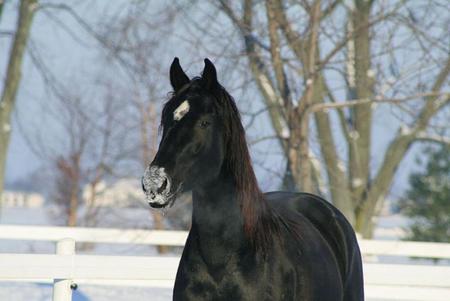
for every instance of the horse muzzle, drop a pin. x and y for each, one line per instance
(156, 185)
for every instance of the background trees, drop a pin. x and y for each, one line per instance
(427, 199)
(339, 91)
(96, 120)
(324, 69)
(13, 76)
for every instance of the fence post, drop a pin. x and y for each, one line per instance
(61, 287)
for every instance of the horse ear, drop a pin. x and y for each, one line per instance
(209, 75)
(177, 76)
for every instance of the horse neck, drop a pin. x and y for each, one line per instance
(217, 220)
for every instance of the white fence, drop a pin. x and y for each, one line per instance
(382, 281)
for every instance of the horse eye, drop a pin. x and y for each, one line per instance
(204, 124)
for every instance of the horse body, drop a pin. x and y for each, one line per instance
(218, 263)
(243, 244)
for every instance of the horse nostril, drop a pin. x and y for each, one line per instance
(163, 186)
(143, 186)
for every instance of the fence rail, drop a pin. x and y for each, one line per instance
(94, 235)
(178, 238)
(382, 281)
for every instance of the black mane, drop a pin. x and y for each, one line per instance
(260, 222)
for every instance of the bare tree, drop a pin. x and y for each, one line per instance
(12, 79)
(328, 72)
(128, 45)
(89, 144)
(135, 41)
(336, 61)
(67, 188)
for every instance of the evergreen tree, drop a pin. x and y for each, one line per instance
(427, 201)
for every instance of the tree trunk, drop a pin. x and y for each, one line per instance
(73, 208)
(74, 193)
(361, 119)
(12, 81)
(334, 166)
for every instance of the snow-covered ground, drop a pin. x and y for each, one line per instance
(43, 292)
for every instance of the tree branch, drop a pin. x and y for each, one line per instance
(433, 138)
(294, 40)
(330, 8)
(351, 35)
(356, 102)
(275, 51)
(272, 99)
(341, 114)
(400, 145)
(100, 39)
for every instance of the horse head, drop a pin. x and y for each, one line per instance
(192, 147)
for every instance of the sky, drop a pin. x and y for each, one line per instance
(63, 55)
(66, 57)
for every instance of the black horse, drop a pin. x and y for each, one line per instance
(243, 244)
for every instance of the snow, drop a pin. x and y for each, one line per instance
(341, 165)
(405, 130)
(6, 127)
(267, 86)
(285, 132)
(43, 292)
(371, 73)
(353, 134)
(356, 182)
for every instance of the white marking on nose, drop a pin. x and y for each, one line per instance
(153, 180)
(182, 110)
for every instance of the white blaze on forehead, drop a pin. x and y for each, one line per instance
(182, 110)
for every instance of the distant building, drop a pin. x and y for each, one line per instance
(123, 193)
(21, 199)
